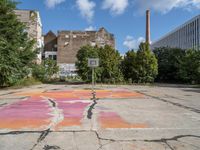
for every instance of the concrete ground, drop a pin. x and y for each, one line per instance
(49, 117)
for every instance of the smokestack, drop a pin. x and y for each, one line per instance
(148, 27)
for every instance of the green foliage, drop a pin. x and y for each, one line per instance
(147, 65)
(29, 81)
(169, 63)
(189, 70)
(177, 65)
(129, 66)
(109, 69)
(83, 54)
(140, 67)
(45, 71)
(16, 50)
(110, 62)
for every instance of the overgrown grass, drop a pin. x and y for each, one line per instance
(26, 82)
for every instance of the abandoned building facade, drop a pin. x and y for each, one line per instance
(64, 46)
(32, 20)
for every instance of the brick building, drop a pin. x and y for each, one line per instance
(65, 46)
(32, 20)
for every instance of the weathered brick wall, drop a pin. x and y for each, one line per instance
(50, 42)
(69, 42)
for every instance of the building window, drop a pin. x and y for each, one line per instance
(53, 57)
(67, 36)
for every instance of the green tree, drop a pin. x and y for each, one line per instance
(109, 69)
(169, 63)
(83, 54)
(129, 67)
(16, 50)
(110, 62)
(190, 67)
(146, 64)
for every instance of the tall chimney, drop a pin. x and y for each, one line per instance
(148, 27)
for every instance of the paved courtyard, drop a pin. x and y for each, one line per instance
(63, 117)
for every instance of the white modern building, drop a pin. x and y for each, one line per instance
(186, 36)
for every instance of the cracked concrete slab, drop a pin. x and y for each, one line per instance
(123, 118)
(18, 141)
(61, 140)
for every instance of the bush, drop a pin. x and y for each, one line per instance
(39, 72)
(29, 81)
(177, 65)
(189, 70)
(169, 63)
(45, 71)
(140, 66)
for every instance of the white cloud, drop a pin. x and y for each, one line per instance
(116, 7)
(53, 3)
(90, 28)
(165, 6)
(86, 8)
(132, 43)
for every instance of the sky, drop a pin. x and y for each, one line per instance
(124, 18)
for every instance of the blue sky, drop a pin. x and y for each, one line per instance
(124, 18)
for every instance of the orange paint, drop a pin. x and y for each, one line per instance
(85, 94)
(113, 120)
(69, 122)
(23, 123)
(35, 112)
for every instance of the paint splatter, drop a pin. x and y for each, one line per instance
(73, 113)
(37, 113)
(113, 120)
(32, 113)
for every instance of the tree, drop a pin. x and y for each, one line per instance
(129, 67)
(190, 67)
(169, 63)
(109, 69)
(83, 54)
(110, 62)
(146, 64)
(140, 66)
(16, 49)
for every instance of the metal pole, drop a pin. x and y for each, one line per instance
(92, 80)
(93, 84)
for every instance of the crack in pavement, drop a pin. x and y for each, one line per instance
(173, 103)
(89, 112)
(47, 147)
(56, 112)
(52, 102)
(163, 140)
(175, 138)
(41, 137)
(45, 133)
(20, 132)
(57, 118)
